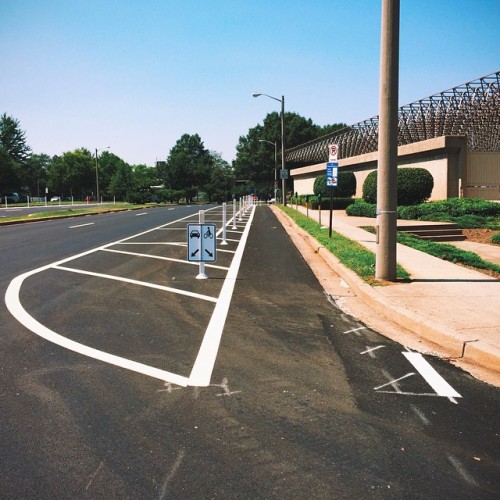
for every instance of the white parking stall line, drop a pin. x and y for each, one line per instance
(159, 257)
(137, 282)
(431, 376)
(172, 243)
(204, 363)
(219, 250)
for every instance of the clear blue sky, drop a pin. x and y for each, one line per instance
(137, 74)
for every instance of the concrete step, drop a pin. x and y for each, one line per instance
(435, 232)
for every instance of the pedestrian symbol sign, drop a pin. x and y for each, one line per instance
(201, 242)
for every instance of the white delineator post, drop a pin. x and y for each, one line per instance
(201, 273)
(224, 207)
(234, 213)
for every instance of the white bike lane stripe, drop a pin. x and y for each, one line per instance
(13, 303)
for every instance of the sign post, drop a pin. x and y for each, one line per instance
(201, 244)
(332, 169)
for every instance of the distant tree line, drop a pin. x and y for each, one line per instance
(188, 170)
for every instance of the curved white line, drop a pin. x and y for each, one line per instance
(17, 310)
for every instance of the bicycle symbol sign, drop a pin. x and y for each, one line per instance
(201, 239)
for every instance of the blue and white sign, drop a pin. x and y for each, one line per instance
(201, 242)
(332, 173)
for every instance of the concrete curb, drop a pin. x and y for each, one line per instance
(456, 345)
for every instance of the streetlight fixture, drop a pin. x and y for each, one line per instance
(283, 170)
(97, 171)
(275, 171)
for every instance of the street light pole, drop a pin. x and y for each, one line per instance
(283, 170)
(385, 264)
(97, 172)
(275, 170)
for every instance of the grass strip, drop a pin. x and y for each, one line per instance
(350, 253)
(54, 214)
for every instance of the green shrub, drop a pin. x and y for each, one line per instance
(361, 208)
(346, 187)
(496, 239)
(338, 203)
(414, 186)
(370, 188)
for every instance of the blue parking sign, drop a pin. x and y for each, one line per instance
(332, 169)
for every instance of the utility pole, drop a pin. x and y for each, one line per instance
(385, 265)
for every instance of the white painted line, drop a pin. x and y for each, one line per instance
(354, 330)
(136, 282)
(172, 243)
(82, 225)
(431, 376)
(16, 309)
(149, 256)
(462, 471)
(420, 415)
(205, 361)
(370, 351)
(224, 250)
(394, 382)
(142, 213)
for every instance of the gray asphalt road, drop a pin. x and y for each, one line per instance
(304, 401)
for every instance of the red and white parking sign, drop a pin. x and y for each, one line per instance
(333, 152)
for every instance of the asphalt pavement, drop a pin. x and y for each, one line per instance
(305, 400)
(448, 309)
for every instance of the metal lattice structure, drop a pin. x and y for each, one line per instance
(471, 110)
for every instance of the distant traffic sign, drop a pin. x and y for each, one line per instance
(283, 173)
(201, 239)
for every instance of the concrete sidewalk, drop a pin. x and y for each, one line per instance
(453, 310)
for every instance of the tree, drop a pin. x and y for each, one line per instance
(8, 171)
(108, 165)
(13, 139)
(14, 152)
(72, 173)
(121, 183)
(255, 159)
(221, 181)
(33, 176)
(188, 166)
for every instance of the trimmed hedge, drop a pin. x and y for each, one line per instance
(346, 187)
(314, 201)
(414, 186)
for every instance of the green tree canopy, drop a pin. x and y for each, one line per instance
(188, 166)
(219, 186)
(108, 166)
(14, 152)
(33, 176)
(72, 174)
(255, 159)
(121, 183)
(13, 139)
